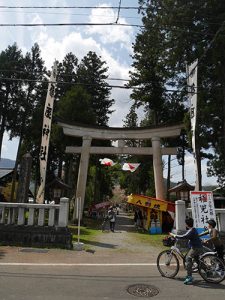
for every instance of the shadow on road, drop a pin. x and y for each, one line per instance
(2, 253)
(203, 284)
(98, 244)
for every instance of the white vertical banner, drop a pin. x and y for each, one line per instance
(46, 130)
(192, 93)
(202, 206)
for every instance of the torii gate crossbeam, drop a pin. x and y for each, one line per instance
(108, 133)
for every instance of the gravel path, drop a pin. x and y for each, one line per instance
(125, 245)
(124, 240)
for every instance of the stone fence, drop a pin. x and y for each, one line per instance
(35, 214)
(43, 225)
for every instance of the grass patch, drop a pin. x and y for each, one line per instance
(88, 232)
(150, 239)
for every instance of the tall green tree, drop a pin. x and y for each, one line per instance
(11, 92)
(33, 73)
(67, 75)
(190, 30)
(92, 73)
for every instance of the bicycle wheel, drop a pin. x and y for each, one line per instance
(168, 264)
(211, 268)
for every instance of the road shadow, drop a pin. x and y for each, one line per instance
(2, 253)
(98, 244)
(203, 284)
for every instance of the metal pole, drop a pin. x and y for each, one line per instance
(79, 214)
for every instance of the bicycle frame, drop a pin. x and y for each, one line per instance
(176, 251)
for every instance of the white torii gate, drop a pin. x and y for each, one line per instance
(155, 133)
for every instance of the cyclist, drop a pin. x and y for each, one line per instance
(195, 245)
(214, 237)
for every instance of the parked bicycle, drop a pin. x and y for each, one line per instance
(210, 267)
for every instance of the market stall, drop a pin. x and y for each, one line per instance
(158, 215)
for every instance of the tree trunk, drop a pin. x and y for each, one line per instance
(2, 130)
(19, 147)
(198, 185)
(168, 177)
(60, 168)
(183, 158)
(15, 172)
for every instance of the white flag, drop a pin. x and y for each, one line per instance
(46, 130)
(107, 162)
(130, 167)
(192, 93)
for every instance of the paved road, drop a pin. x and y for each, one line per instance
(117, 263)
(96, 282)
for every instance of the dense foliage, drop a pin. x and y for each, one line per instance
(175, 33)
(82, 96)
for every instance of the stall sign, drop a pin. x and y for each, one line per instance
(203, 209)
(147, 202)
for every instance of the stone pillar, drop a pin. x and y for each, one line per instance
(24, 179)
(158, 169)
(82, 174)
(222, 221)
(63, 212)
(180, 213)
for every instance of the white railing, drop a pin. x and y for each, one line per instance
(35, 214)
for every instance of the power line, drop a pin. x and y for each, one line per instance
(64, 75)
(66, 14)
(69, 24)
(75, 83)
(61, 82)
(118, 14)
(77, 7)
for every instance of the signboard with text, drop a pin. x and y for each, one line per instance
(149, 202)
(203, 209)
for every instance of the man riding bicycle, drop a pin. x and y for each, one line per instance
(195, 245)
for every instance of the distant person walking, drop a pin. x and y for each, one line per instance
(140, 219)
(112, 218)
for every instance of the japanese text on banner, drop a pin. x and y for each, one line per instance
(202, 205)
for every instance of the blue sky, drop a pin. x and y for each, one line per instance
(112, 43)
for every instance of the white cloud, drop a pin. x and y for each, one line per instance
(110, 34)
(80, 45)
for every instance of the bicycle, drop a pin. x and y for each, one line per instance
(210, 267)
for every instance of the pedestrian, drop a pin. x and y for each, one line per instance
(135, 218)
(195, 245)
(105, 220)
(112, 218)
(214, 238)
(140, 219)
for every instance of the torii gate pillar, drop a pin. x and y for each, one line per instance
(82, 174)
(158, 168)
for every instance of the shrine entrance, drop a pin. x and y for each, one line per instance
(153, 133)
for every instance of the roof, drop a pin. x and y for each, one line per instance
(56, 182)
(5, 172)
(182, 186)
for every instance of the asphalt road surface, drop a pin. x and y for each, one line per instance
(118, 261)
(85, 282)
